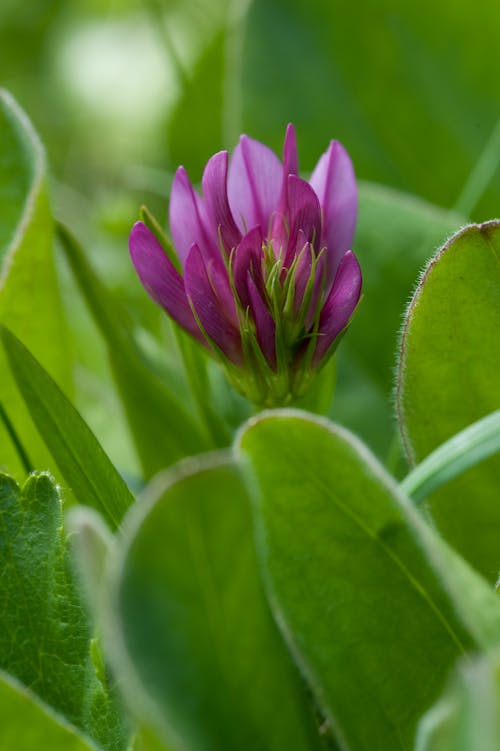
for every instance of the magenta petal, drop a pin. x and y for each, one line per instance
(334, 182)
(280, 228)
(254, 183)
(290, 157)
(247, 258)
(186, 217)
(219, 281)
(304, 216)
(219, 216)
(208, 308)
(340, 304)
(265, 328)
(160, 278)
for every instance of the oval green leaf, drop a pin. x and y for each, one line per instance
(375, 607)
(395, 235)
(449, 378)
(204, 662)
(27, 724)
(29, 294)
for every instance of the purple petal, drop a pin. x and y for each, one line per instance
(334, 182)
(219, 281)
(219, 216)
(290, 158)
(304, 217)
(254, 183)
(160, 278)
(248, 259)
(265, 328)
(186, 217)
(280, 229)
(340, 304)
(208, 308)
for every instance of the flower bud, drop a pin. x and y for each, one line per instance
(264, 277)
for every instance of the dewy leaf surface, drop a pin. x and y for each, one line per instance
(375, 607)
(86, 468)
(26, 724)
(29, 295)
(206, 664)
(449, 378)
(45, 636)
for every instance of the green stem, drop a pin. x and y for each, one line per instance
(156, 12)
(481, 175)
(196, 375)
(466, 449)
(232, 96)
(23, 456)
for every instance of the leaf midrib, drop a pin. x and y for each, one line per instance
(357, 521)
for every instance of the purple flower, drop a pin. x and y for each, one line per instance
(264, 276)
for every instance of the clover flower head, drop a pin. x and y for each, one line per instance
(264, 276)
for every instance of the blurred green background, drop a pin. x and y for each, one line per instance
(123, 92)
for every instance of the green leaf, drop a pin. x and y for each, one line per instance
(201, 658)
(16, 441)
(163, 428)
(29, 295)
(375, 607)
(466, 449)
(448, 379)
(91, 543)
(45, 639)
(85, 467)
(202, 92)
(467, 716)
(91, 546)
(412, 114)
(146, 740)
(395, 236)
(27, 724)
(15, 175)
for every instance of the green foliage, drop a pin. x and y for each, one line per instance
(448, 378)
(29, 296)
(467, 716)
(45, 640)
(373, 604)
(373, 608)
(163, 429)
(202, 92)
(87, 470)
(395, 234)
(27, 724)
(15, 176)
(199, 655)
(415, 112)
(472, 445)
